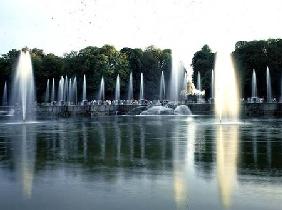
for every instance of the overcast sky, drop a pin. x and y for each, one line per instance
(60, 26)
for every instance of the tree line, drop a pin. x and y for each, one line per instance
(95, 62)
(257, 55)
(108, 62)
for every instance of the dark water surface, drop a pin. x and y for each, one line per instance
(137, 163)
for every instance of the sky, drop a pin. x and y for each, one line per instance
(59, 26)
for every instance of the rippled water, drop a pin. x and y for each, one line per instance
(141, 163)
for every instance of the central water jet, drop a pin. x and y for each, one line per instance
(226, 90)
(176, 72)
(23, 85)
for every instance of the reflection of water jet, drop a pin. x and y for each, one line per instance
(226, 161)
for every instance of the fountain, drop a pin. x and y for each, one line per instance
(61, 89)
(130, 87)
(185, 81)
(47, 94)
(254, 84)
(141, 87)
(23, 86)
(212, 84)
(84, 88)
(182, 110)
(74, 89)
(70, 92)
(165, 110)
(226, 90)
(66, 87)
(158, 110)
(199, 85)
(53, 91)
(102, 90)
(162, 87)
(5, 95)
(268, 86)
(176, 72)
(117, 91)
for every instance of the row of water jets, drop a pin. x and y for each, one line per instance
(67, 89)
(268, 86)
(68, 92)
(224, 86)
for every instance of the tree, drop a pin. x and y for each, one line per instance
(203, 62)
(258, 55)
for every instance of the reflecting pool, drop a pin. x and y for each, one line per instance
(141, 163)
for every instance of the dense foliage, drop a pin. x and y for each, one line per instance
(95, 62)
(258, 55)
(203, 62)
(108, 62)
(247, 56)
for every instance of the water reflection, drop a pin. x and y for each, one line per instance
(226, 160)
(254, 142)
(102, 139)
(118, 140)
(85, 141)
(164, 163)
(142, 141)
(268, 148)
(24, 154)
(131, 140)
(182, 157)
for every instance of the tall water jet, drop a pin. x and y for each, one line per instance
(5, 95)
(141, 87)
(117, 90)
(212, 84)
(162, 87)
(254, 84)
(53, 90)
(176, 73)
(130, 87)
(226, 90)
(102, 90)
(23, 85)
(70, 91)
(47, 92)
(66, 87)
(185, 81)
(74, 88)
(84, 88)
(61, 89)
(199, 85)
(268, 86)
